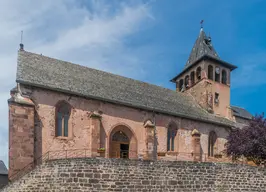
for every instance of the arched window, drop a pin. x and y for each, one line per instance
(211, 143)
(187, 81)
(210, 72)
(217, 74)
(181, 83)
(198, 73)
(171, 137)
(192, 77)
(224, 77)
(63, 111)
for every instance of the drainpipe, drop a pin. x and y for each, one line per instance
(155, 139)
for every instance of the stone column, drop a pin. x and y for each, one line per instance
(196, 145)
(21, 133)
(150, 148)
(95, 133)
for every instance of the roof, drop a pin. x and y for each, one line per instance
(203, 49)
(3, 169)
(202, 46)
(241, 112)
(44, 72)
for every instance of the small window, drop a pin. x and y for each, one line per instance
(224, 77)
(210, 72)
(192, 77)
(217, 74)
(216, 99)
(63, 110)
(187, 81)
(181, 85)
(171, 137)
(198, 73)
(211, 143)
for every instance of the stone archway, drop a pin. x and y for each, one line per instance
(122, 143)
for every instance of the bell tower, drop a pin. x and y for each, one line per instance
(206, 77)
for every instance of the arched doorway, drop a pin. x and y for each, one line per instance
(122, 143)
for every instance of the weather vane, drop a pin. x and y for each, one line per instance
(201, 23)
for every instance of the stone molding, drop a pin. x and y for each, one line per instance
(16, 97)
(195, 132)
(149, 124)
(95, 114)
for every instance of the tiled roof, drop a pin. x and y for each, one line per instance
(241, 112)
(3, 169)
(44, 72)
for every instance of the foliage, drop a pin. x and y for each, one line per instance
(249, 142)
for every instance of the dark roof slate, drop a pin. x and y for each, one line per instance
(202, 46)
(41, 71)
(3, 169)
(241, 112)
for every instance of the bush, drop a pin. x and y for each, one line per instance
(249, 142)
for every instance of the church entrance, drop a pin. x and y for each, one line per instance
(124, 150)
(122, 143)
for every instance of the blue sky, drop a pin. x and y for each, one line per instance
(148, 40)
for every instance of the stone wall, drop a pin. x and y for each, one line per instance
(21, 136)
(132, 175)
(204, 89)
(80, 126)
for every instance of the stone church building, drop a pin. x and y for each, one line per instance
(61, 106)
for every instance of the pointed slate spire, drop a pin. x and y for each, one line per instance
(202, 46)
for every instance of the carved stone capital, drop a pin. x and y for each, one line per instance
(195, 132)
(149, 124)
(18, 98)
(95, 114)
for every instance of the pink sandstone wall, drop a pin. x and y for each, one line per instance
(206, 86)
(21, 136)
(112, 116)
(224, 90)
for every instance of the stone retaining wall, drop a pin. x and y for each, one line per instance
(133, 175)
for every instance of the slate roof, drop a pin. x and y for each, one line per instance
(241, 112)
(3, 169)
(44, 72)
(203, 49)
(202, 46)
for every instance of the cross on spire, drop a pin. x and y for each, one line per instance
(201, 23)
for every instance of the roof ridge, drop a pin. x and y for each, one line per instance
(237, 107)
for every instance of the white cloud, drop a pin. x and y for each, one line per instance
(91, 35)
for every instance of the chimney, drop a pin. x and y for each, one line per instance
(21, 47)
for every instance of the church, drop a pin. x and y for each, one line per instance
(59, 106)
